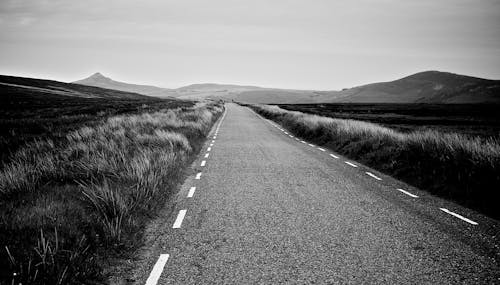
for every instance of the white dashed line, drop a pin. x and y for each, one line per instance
(458, 216)
(209, 148)
(407, 193)
(333, 155)
(213, 141)
(322, 149)
(206, 155)
(191, 192)
(155, 274)
(302, 141)
(351, 164)
(373, 175)
(198, 176)
(311, 145)
(291, 136)
(180, 218)
(203, 163)
(286, 133)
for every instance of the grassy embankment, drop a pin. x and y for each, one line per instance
(462, 168)
(67, 206)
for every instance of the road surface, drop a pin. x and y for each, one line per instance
(262, 207)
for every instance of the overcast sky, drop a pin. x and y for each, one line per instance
(306, 44)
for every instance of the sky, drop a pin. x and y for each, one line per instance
(297, 44)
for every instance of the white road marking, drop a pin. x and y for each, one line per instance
(209, 148)
(322, 149)
(297, 139)
(373, 175)
(311, 145)
(458, 216)
(157, 270)
(211, 144)
(203, 163)
(407, 193)
(180, 218)
(206, 155)
(291, 136)
(286, 133)
(215, 137)
(198, 176)
(191, 192)
(213, 141)
(333, 155)
(351, 164)
(302, 141)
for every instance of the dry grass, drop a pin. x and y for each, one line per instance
(463, 168)
(100, 184)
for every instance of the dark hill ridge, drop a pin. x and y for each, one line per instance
(425, 87)
(99, 80)
(21, 90)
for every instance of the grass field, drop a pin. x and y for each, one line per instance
(455, 166)
(26, 115)
(81, 177)
(469, 119)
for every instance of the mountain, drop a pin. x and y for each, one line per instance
(99, 80)
(17, 88)
(423, 87)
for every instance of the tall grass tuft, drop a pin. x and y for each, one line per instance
(103, 182)
(466, 169)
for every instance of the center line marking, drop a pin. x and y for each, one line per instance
(213, 141)
(458, 216)
(302, 141)
(206, 155)
(191, 192)
(209, 148)
(333, 155)
(351, 164)
(180, 218)
(157, 270)
(203, 163)
(321, 149)
(373, 175)
(286, 133)
(198, 176)
(407, 193)
(311, 145)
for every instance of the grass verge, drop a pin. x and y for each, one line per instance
(66, 207)
(458, 167)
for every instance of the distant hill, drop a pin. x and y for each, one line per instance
(423, 87)
(16, 88)
(99, 80)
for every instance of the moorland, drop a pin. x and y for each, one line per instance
(83, 171)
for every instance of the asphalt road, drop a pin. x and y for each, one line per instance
(269, 209)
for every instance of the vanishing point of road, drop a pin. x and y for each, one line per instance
(265, 207)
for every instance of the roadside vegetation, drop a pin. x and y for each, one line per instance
(455, 166)
(479, 120)
(68, 205)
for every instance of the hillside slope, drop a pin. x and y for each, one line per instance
(20, 87)
(99, 80)
(424, 87)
